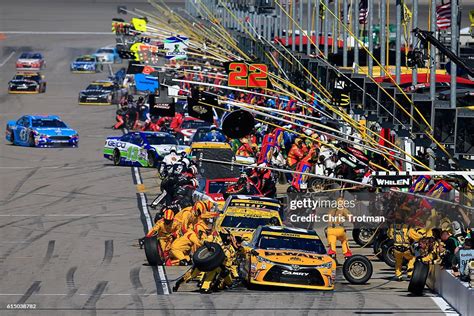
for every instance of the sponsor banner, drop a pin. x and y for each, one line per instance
(381, 180)
(175, 47)
(465, 256)
(145, 82)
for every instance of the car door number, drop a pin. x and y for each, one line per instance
(23, 134)
(132, 153)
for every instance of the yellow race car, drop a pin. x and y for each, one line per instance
(242, 221)
(287, 257)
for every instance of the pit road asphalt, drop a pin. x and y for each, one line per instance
(69, 220)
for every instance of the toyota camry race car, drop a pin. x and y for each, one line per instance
(108, 55)
(41, 131)
(142, 149)
(86, 64)
(101, 92)
(27, 82)
(287, 257)
(242, 221)
(30, 61)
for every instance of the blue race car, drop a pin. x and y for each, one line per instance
(108, 55)
(86, 64)
(142, 149)
(41, 131)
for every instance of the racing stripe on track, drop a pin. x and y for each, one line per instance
(162, 286)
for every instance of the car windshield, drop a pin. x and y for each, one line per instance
(25, 77)
(194, 124)
(30, 56)
(200, 133)
(99, 87)
(284, 242)
(161, 139)
(246, 222)
(48, 123)
(219, 186)
(105, 51)
(85, 59)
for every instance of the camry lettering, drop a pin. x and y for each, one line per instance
(286, 272)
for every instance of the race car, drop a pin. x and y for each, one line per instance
(27, 82)
(108, 54)
(101, 92)
(41, 131)
(86, 64)
(215, 188)
(30, 61)
(287, 257)
(187, 128)
(256, 202)
(141, 149)
(242, 221)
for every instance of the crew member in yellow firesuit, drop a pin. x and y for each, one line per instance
(165, 229)
(400, 233)
(336, 230)
(182, 247)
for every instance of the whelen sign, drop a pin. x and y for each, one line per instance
(392, 179)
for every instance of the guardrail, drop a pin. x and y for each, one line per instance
(455, 292)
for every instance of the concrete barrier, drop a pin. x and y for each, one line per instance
(456, 293)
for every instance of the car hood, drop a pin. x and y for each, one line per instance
(294, 257)
(30, 61)
(51, 131)
(165, 149)
(95, 92)
(27, 82)
(82, 63)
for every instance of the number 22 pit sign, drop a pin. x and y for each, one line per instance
(175, 47)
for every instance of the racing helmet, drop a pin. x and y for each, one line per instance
(200, 208)
(193, 170)
(194, 183)
(168, 215)
(213, 127)
(456, 228)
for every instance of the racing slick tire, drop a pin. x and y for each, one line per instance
(12, 138)
(363, 236)
(31, 140)
(208, 257)
(387, 252)
(116, 157)
(357, 269)
(43, 90)
(153, 251)
(418, 279)
(151, 158)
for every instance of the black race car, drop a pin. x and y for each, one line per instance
(27, 82)
(102, 92)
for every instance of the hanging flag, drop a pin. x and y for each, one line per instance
(443, 16)
(363, 11)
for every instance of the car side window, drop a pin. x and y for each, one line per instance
(20, 122)
(126, 138)
(137, 140)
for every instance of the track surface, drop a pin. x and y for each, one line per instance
(69, 220)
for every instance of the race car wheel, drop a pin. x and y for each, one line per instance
(357, 269)
(418, 279)
(153, 251)
(363, 236)
(151, 158)
(44, 88)
(12, 138)
(208, 257)
(387, 252)
(117, 157)
(31, 140)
